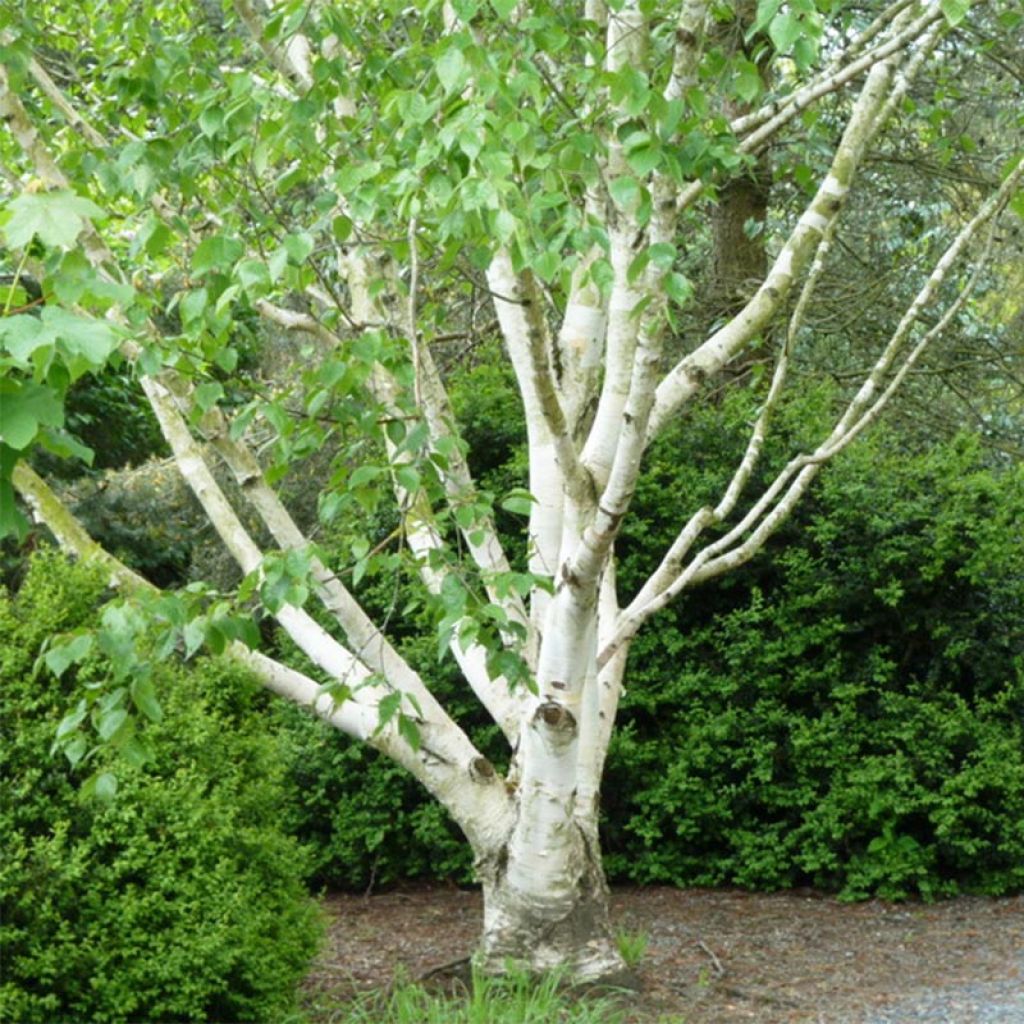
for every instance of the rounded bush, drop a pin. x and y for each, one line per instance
(180, 900)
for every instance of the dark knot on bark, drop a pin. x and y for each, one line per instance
(556, 717)
(481, 770)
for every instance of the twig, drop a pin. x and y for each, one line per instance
(414, 341)
(446, 968)
(719, 969)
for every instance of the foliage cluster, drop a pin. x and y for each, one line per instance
(180, 900)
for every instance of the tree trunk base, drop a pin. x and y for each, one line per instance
(567, 931)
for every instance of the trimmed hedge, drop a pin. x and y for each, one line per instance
(846, 712)
(849, 712)
(179, 901)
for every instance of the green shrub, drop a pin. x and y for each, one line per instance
(365, 820)
(179, 901)
(846, 711)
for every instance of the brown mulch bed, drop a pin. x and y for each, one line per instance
(712, 957)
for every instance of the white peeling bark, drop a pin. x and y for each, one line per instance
(581, 346)
(545, 896)
(623, 325)
(552, 456)
(599, 705)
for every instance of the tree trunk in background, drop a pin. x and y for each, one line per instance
(739, 260)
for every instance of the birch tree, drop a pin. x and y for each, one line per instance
(386, 181)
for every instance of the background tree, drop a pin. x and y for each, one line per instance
(387, 180)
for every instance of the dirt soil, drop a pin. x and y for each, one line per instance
(712, 957)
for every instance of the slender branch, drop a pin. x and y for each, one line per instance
(776, 117)
(444, 760)
(779, 499)
(528, 340)
(674, 557)
(292, 59)
(882, 89)
(627, 45)
(758, 126)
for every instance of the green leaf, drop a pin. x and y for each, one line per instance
(253, 275)
(341, 228)
(407, 477)
(662, 255)
(678, 288)
(110, 722)
(387, 709)
(102, 787)
(74, 749)
(23, 408)
(211, 120)
(504, 8)
(409, 731)
(643, 160)
(299, 247)
(504, 225)
(23, 335)
(63, 445)
(208, 394)
(217, 253)
(277, 263)
(193, 304)
(766, 10)
(56, 218)
(194, 635)
(145, 699)
(547, 264)
(134, 751)
(85, 342)
(12, 522)
(452, 70)
(784, 31)
(363, 475)
(72, 720)
(518, 501)
(955, 11)
(625, 191)
(747, 81)
(805, 52)
(60, 656)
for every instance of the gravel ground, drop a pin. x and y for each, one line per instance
(724, 957)
(988, 1003)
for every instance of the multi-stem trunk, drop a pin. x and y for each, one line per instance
(545, 895)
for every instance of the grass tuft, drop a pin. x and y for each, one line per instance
(511, 999)
(632, 947)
